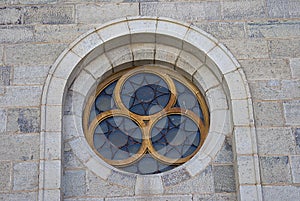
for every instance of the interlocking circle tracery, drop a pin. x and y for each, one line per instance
(146, 120)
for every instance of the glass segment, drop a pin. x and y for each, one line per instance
(146, 121)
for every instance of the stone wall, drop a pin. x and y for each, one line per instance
(264, 35)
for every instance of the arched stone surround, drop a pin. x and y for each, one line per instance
(139, 41)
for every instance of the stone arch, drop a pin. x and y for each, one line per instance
(145, 40)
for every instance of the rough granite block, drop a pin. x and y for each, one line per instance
(122, 179)
(16, 34)
(248, 48)
(275, 169)
(225, 155)
(74, 183)
(10, 15)
(284, 48)
(5, 75)
(275, 89)
(20, 96)
(101, 188)
(19, 147)
(35, 75)
(70, 160)
(187, 11)
(100, 13)
(176, 177)
(283, 8)
(224, 178)
(3, 120)
(265, 69)
(273, 29)
(295, 68)
(275, 141)
(33, 54)
(23, 120)
(61, 33)
(281, 193)
(268, 113)
(291, 112)
(60, 14)
(296, 133)
(234, 10)
(215, 197)
(223, 30)
(202, 183)
(5, 174)
(25, 176)
(295, 166)
(19, 196)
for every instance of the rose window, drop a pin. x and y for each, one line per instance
(146, 120)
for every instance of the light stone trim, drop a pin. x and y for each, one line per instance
(116, 43)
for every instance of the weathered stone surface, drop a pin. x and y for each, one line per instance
(275, 89)
(70, 160)
(296, 133)
(295, 67)
(32, 54)
(63, 14)
(284, 48)
(225, 155)
(16, 34)
(154, 198)
(23, 120)
(202, 183)
(30, 75)
(21, 96)
(3, 120)
(122, 179)
(233, 10)
(25, 176)
(19, 196)
(280, 193)
(275, 141)
(223, 30)
(74, 183)
(248, 48)
(5, 174)
(173, 178)
(268, 113)
(273, 29)
(99, 13)
(10, 15)
(264, 69)
(215, 197)
(291, 112)
(275, 169)
(19, 147)
(1, 55)
(187, 11)
(295, 166)
(283, 8)
(224, 178)
(60, 32)
(5, 75)
(101, 188)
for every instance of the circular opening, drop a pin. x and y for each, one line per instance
(146, 120)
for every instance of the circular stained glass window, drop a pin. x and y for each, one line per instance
(146, 120)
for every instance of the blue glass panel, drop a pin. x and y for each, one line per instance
(186, 99)
(145, 94)
(117, 138)
(175, 136)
